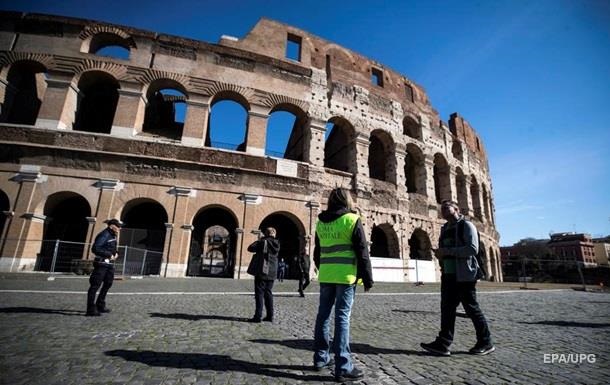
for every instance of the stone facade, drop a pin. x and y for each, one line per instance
(86, 137)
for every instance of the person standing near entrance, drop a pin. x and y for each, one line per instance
(105, 250)
(458, 247)
(342, 258)
(266, 249)
(303, 266)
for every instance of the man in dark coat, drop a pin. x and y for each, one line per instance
(105, 250)
(266, 249)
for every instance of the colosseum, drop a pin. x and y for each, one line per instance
(91, 130)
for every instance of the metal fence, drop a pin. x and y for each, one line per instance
(65, 256)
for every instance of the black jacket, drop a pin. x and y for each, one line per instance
(273, 249)
(105, 245)
(364, 269)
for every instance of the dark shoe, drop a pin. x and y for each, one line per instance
(482, 349)
(328, 365)
(103, 310)
(255, 320)
(268, 319)
(93, 313)
(355, 374)
(302, 294)
(436, 348)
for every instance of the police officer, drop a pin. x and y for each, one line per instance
(342, 258)
(105, 250)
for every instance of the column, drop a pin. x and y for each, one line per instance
(362, 179)
(196, 121)
(400, 152)
(104, 211)
(430, 188)
(314, 147)
(58, 109)
(90, 228)
(453, 184)
(469, 211)
(129, 115)
(247, 224)
(18, 253)
(257, 130)
(177, 239)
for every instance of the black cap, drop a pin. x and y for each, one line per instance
(115, 222)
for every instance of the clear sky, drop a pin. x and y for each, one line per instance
(532, 77)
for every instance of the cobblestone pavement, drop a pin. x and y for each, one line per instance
(193, 331)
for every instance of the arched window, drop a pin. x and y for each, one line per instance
(442, 181)
(339, 146)
(381, 156)
(110, 45)
(98, 98)
(165, 110)
(286, 134)
(227, 125)
(384, 242)
(420, 246)
(415, 170)
(411, 128)
(24, 92)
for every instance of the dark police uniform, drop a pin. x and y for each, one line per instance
(104, 247)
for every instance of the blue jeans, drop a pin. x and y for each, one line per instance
(342, 297)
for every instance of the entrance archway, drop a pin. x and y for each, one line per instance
(213, 243)
(384, 242)
(143, 236)
(420, 246)
(65, 231)
(291, 234)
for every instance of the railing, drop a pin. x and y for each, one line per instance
(65, 256)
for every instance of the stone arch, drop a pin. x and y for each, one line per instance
(24, 92)
(461, 190)
(384, 242)
(165, 109)
(98, 97)
(291, 234)
(213, 242)
(108, 44)
(95, 37)
(228, 107)
(66, 215)
(412, 128)
(476, 197)
(420, 246)
(144, 229)
(442, 179)
(295, 129)
(381, 160)
(457, 151)
(415, 169)
(340, 147)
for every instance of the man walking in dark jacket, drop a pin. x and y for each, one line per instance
(266, 249)
(342, 258)
(105, 250)
(458, 247)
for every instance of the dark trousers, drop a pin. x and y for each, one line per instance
(303, 282)
(452, 294)
(101, 276)
(263, 292)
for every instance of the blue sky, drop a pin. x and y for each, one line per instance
(532, 77)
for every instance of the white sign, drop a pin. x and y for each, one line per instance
(286, 168)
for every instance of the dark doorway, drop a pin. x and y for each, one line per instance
(213, 244)
(420, 246)
(65, 231)
(98, 92)
(24, 92)
(291, 235)
(143, 236)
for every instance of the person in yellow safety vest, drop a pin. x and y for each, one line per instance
(342, 258)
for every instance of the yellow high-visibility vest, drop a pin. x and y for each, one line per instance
(337, 256)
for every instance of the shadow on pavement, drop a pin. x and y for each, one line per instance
(198, 317)
(355, 347)
(39, 310)
(570, 323)
(220, 363)
(415, 311)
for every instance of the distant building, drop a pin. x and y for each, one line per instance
(601, 249)
(572, 246)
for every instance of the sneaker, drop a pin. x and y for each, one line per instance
(94, 313)
(355, 374)
(103, 310)
(327, 365)
(436, 348)
(482, 349)
(255, 320)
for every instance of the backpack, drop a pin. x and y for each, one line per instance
(481, 273)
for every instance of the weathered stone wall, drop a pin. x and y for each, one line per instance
(185, 175)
